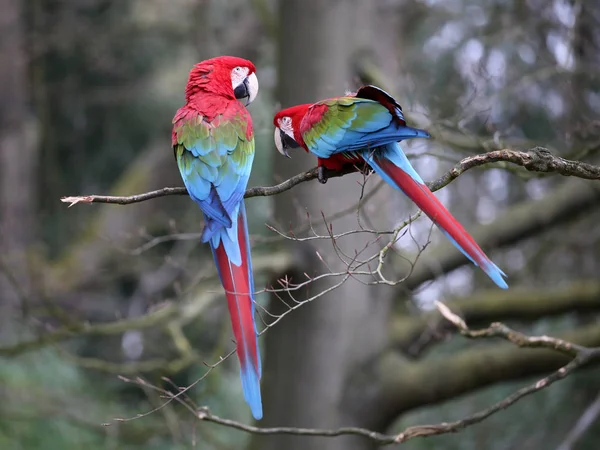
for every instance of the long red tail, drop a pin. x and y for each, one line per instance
(393, 166)
(239, 289)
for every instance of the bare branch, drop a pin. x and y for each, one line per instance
(414, 431)
(537, 159)
(498, 329)
(205, 415)
(413, 334)
(580, 356)
(452, 427)
(259, 191)
(124, 200)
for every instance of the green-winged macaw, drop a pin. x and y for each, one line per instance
(367, 127)
(214, 148)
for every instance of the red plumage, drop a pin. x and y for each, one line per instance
(213, 76)
(238, 290)
(422, 196)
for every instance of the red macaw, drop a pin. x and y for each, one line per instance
(366, 127)
(214, 148)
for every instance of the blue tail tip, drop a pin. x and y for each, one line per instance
(251, 388)
(501, 284)
(257, 412)
(497, 276)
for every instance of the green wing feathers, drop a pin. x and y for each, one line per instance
(215, 159)
(342, 123)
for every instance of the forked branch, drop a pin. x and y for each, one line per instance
(580, 356)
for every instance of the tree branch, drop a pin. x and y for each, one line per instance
(581, 355)
(537, 159)
(413, 334)
(259, 191)
(435, 380)
(453, 427)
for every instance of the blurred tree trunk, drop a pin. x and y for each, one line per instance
(313, 358)
(585, 53)
(79, 265)
(18, 157)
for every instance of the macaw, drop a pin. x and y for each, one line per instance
(214, 147)
(367, 127)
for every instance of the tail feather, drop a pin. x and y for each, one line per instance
(391, 164)
(239, 288)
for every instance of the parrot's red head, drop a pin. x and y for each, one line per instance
(227, 76)
(287, 128)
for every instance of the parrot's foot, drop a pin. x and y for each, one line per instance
(322, 174)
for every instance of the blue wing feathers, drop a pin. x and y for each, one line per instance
(214, 180)
(345, 134)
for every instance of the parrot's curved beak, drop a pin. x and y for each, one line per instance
(283, 142)
(247, 89)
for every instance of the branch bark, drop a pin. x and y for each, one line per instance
(551, 355)
(414, 334)
(536, 159)
(409, 385)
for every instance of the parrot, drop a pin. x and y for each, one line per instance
(366, 127)
(213, 142)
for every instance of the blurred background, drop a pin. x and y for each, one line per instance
(88, 89)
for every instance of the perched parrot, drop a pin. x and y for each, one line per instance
(214, 148)
(366, 127)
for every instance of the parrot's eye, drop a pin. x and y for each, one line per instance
(238, 69)
(286, 120)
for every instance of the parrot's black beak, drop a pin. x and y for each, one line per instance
(246, 91)
(283, 142)
(241, 91)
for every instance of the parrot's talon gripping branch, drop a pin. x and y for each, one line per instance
(322, 175)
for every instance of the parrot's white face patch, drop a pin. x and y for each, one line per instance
(285, 125)
(238, 75)
(244, 84)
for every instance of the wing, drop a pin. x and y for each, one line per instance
(215, 160)
(346, 124)
(380, 96)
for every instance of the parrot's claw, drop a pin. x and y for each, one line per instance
(322, 174)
